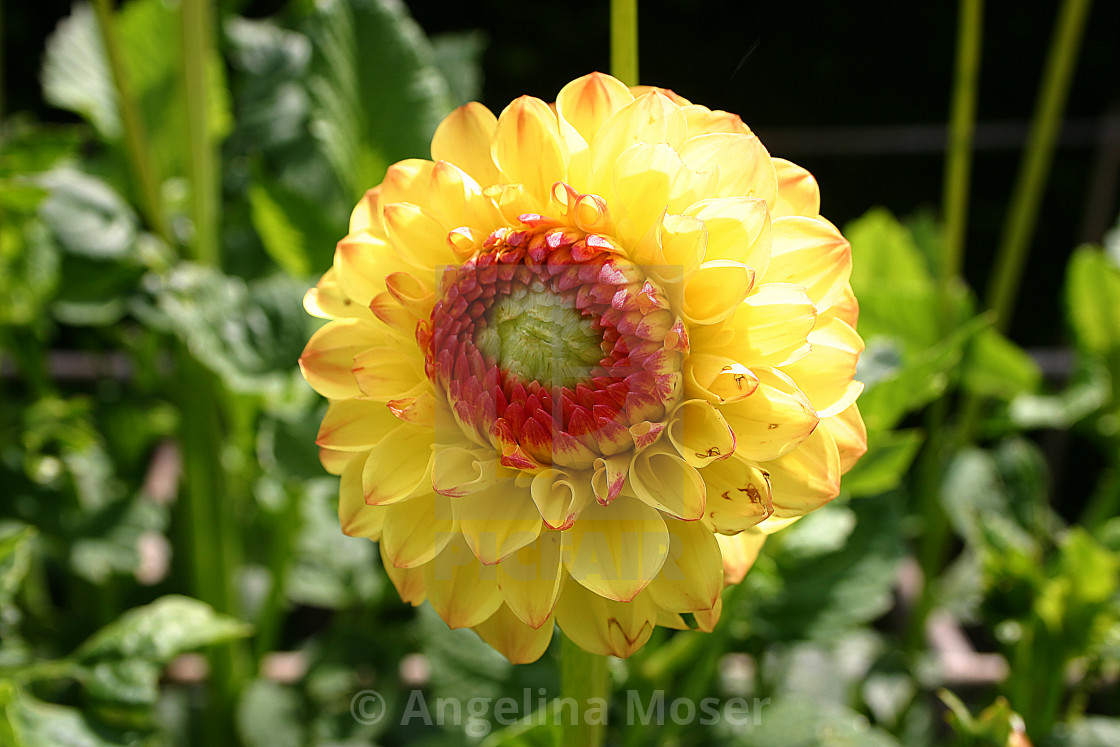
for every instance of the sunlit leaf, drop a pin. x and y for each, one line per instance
(1093, 301)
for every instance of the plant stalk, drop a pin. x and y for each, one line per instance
(196, 25)
(624, 41)
(583, 678)
(145, 171)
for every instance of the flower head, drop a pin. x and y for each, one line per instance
(582, 362)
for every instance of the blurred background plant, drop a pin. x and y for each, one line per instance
(176, 174)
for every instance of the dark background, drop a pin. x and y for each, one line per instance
(828, 85)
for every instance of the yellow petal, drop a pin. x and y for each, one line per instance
(514, 639)
(328, 358)
(587, 102)
(355, 424)
(807, 477)
(798, 193)
(774, 523)
(409, 582)
(717, 379)
(418, 236)
(743, 164)
(417, 530)
(357, 518)
(674, 251)
(825, 374)
(716, 290)
(461, 590)
(609, 476)
(361, 262)
(704, 121)
(463, 138)
(559, 496)
(850, 434)
(497, 520)
(812, 253)
(739, 553)
(457, 471)
(335, 462)
(530, 579)
(846, 308)
(602, 626)
(738, 229)
(399, 465)
(366, 215)
(699, 433)
(386, 372)
(406, 181)
(528, 147)
(650, 118)
(327, 300)
(706, 619)
(456, 200)
(692, 577)
(739, 495)
(616, 550)
(665, 481)
(773, 420)
(770, 326)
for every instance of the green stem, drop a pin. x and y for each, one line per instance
(197, 39)
(583, 677)
(624, 41)
(955, 190)
(1045, 125)
(137, 151)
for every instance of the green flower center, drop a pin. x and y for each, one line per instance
(538, 335)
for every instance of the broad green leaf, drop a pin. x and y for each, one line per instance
(88, 216)
(459, 58)
(997, 367)
(795, 721)
(1093, 301)
(892, 281)
(1090, 390)
(292, 227)
(377, 93)
(269, 715)
(132, 682)
(250, 334)
(1091, 731)
(26, 721)
(157, 632)
(898, 383)
(76, 76)
(832, 571)
(15, 556)
(975, 500)
(889, 454)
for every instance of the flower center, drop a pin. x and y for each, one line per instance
(537, 335)
(552, 347)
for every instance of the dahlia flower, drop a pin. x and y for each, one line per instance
(582, 362)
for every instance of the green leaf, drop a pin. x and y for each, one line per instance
(899, 383)
(26, 721)
(832, 571)
(89, 218)
(377, 93)
(1091, 731)
(976, 502)
(459, 59)
(1093, 301)
(15, 557)
(292, 227)
(997, 367)
(269, 715)
(890, 277)
(132, 682)
(889, 454)
(796, 721)
(76, 76)
(157, 632)
(250, 334)
(1090, 390)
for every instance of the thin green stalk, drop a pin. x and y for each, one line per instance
(1045, 126)
(955, 191)
(624, 41)
(583, 677)
(1022, 215)
(140, 161)
(197, 39)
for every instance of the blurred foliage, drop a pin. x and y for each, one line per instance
(101, 314)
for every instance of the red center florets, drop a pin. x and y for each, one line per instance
(624, 395)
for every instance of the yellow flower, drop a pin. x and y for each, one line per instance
(582, 362)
